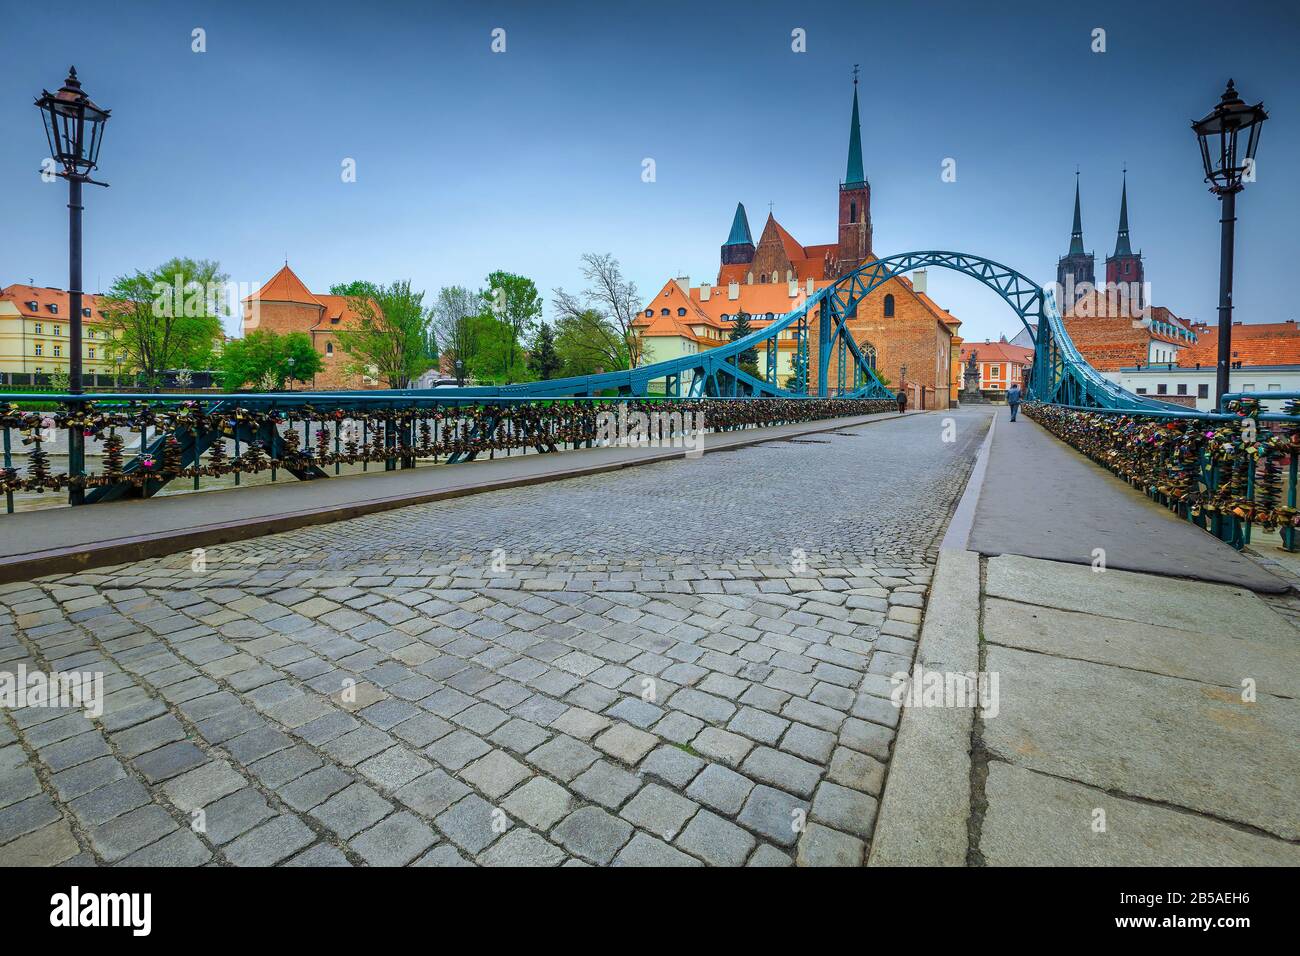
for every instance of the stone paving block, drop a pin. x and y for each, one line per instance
(845, 809)
(659, 810)
(678, 727)
(716, 841)
(822, 846)
(111, 800)
(235, 814)
(354, 747)
(18, 784)
(519, 736)
(563, 757)
(643, 850)
(147, 736)
(394, 768)
(472, 823)
(720, 788)
(522, 848)
(432, 793)
(671, 765)
(857, 771)
(48, 846)
(580, 724)
(322, 854)
(169, 761)
(626, 743)
(352, 810)
(541, 803)
(808, 742)
(122, 836)
(457, 749)
(769, 856)
(637, 712)
(758, 725)
(26, 816)
(178, 848)
(592, 834)
(782, 770)
(203, 785)
(607, 784)
(270, 843)
(394, 841)
(443, 854)
(74, 750)
(710, 709)
(280, 768)
(722, 745)
(314, 788)
(774, 814)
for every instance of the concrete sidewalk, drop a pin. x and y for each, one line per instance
(48, 541)
(1129, 718)
(1045, 500)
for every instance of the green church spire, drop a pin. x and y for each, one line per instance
(739, 228)
(1122, 247)
(1076, 234)
(854, 176)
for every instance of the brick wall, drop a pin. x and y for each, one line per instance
(913, 337)
(284, 317)
(1109, 343)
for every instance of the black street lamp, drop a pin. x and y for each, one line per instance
(1226, 168)
(74, 127)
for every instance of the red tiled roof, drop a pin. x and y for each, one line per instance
(22, 295)
(997, 352)
(1253, 343)
(285, 286)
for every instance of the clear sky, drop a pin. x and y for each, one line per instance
(469, 160)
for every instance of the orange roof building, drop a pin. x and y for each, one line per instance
(898, 322)
(35, 338)
(285, 304)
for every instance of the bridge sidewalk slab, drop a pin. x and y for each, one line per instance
(1043, 499)
(49, 541)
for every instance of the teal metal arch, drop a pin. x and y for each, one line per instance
(1060, 375)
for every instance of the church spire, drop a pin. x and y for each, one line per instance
(740, 228)
(853, 176)
(1076, 234)
(1122, 247)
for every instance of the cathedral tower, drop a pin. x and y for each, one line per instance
(739, 247)
(1076, 270)
(1124, 268)
(854, 243)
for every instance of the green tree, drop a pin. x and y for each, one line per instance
(588, 343)
(454, 310)
(355, 288)
(263, 359)
(740, 327)
(165, 318)
(513, 300)
(494, 359)
(545, 361)
(389, 335)
(615, 305)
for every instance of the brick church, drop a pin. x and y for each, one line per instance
(284, 304)
(898, 321)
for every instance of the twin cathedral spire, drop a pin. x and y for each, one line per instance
(1076, 270)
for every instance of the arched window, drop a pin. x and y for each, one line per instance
(889, 306)
(762, 278)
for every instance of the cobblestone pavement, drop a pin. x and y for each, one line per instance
(682, 663)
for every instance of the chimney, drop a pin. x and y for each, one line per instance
(794, 287)
(919, 279)
(810, 285)
(705, 291)
(685, 283)
(733, 290)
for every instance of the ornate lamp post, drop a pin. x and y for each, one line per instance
(1227, 166)
(74, 127)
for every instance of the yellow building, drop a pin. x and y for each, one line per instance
(35, 336)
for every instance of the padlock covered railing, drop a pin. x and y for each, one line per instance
(1227, 472)
(140, 445)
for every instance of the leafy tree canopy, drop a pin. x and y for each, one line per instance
(265, 359)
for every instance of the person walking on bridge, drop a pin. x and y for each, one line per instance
(1013, 399)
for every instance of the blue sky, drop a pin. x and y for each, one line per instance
(469, 161)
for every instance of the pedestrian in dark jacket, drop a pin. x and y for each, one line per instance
(1013, 399)
(902, 401)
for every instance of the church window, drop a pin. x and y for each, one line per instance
(329, 348)
(762, 278)
(889, 306)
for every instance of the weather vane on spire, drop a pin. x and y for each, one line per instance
(855, 74)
